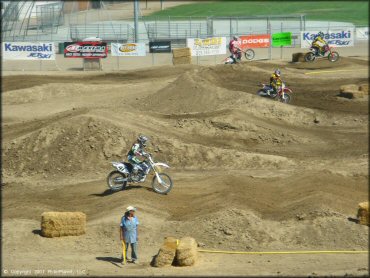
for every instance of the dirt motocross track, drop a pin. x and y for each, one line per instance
(250, 174)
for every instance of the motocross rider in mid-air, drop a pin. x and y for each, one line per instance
(275, 81)
(137, 151)
(318, 44)
(235, 48)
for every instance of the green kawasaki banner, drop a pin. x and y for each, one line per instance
(282, 39)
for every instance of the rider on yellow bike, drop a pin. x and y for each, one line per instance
(318, 44)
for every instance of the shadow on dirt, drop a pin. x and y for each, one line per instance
(37, 232)
(113, 260)
(353, 220)
(108, 192)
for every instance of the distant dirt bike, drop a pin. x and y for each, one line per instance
(283, 95)
(125, 172)
(234, 59)
(329, 53)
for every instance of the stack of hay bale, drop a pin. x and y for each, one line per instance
(353, 91)
(363, 213)
(92, 64)
(181, 56)
(298, 57)
(167, 253)
(181, 252)
(57, 224)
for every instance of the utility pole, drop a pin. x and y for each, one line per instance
(161, 5)
(136, 18)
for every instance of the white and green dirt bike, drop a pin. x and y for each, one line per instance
(128, 173)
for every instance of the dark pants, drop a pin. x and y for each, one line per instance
(133, 250)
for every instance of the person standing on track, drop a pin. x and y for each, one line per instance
(129, 232)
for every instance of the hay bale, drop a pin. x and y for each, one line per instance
(350, 91)
(181, 52)
(348, 88)
(364, 88)
(166, 254)
(363, 213)
(298, 57)
(182, 60)
(92, 64)
(57, 224)
(186, 253)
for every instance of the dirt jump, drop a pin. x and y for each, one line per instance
(250, 174)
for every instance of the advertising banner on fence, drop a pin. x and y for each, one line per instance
(362, 33)
(255, 41)
(160, 47)
(128, 49)
(28, 51)
(89, 50)
(209, 46)
(336, 38)
(282, 39)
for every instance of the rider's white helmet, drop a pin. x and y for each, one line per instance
(142, 140)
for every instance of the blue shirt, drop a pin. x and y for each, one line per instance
(129, 229)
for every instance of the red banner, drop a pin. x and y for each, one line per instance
(255, 41)
(91, 50)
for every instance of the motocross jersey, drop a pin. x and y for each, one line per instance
(318, 40)
(135, 151)
(275, 81)
(234, 46)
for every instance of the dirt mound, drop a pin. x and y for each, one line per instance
(238, 229)
(190, 93)
(326, 64)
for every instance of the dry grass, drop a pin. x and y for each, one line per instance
(57, 224)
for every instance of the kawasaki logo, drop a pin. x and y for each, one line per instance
(35, 48)
(327, 36)
(85, 48)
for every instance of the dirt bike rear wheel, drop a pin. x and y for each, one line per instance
(309, 57)
(162, 188)
(114, 181)
(249, 54)
(333, 56)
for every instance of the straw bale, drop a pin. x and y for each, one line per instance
(364, 88)
(57, 224)
(182, 60)
(363, 213)
(298, 57)
(166, 253)
(181, 52)
(351, 91)
(186, 253)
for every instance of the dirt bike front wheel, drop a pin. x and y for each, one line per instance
(116, 181)
(165, 186)
(286, 99)
(309, 57)
(333, 56)
(249, 54)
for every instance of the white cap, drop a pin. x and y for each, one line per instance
(130, 208)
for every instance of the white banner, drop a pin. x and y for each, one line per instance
(362, 33)
(28, 51)
(128, 49)
(336, 38)
(209, 46)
